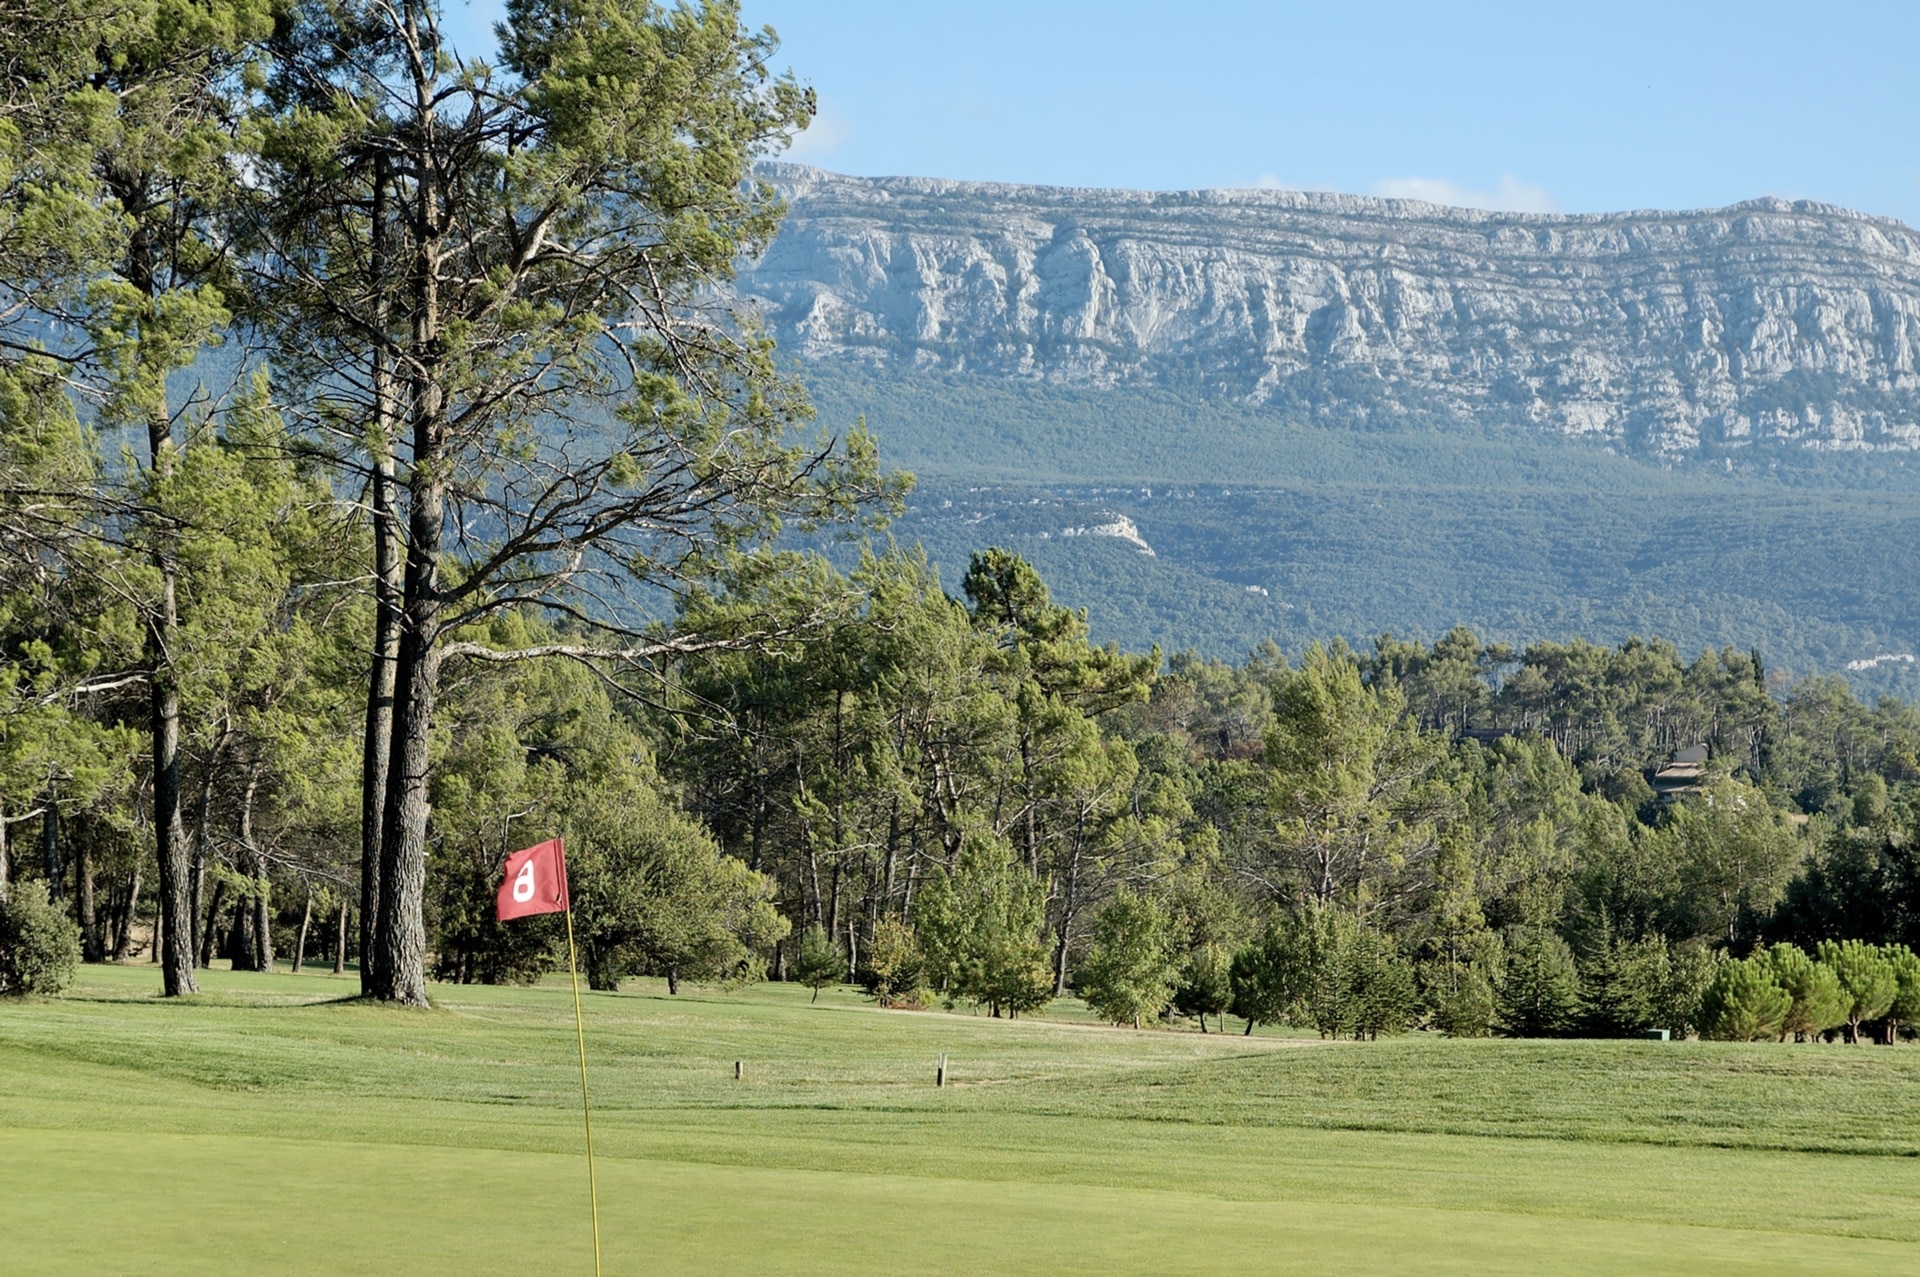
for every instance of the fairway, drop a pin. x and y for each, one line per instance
(269, 1125)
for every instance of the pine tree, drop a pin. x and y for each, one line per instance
(819, 962)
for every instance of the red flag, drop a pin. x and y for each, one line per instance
(536, 882)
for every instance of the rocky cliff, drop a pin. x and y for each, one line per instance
(1767, 323)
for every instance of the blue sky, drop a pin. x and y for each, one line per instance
(1539, 106)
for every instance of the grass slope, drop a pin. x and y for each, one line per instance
(270, 1126)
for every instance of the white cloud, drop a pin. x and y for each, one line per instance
(1509, 195)
(1274, 182)
(826, 135)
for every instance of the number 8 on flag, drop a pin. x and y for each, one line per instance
(535, 882)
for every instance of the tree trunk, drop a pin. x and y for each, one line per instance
(832, 920)
(1029, 819)
(175, 918)
(50, 851)
(207, 932)
(306, 918)
(260, 958)
(123, 930)
(377, 741)
(93, 946)
(398, 957)
(1069, 907)
(198, 868)
(813, 876)
(6, 866)
(893, 854)
(240, 945)
(340, 943)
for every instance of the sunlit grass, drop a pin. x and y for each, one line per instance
(274, 1123)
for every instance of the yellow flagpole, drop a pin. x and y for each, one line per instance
(586, 1110)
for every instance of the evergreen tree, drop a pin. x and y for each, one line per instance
(1204, 984)
(1691, 968)
(1905, 1008)
(1621, 987)
(819, 962)
(1381, 983)
(1819, 1003)
(1354, 815)
(516, 206)
(1539, 994)
(1868, 982)
(1743, 1004)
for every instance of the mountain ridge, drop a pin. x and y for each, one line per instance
(1769, 324)
(790, 175)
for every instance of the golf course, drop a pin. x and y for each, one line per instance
(275, 1124)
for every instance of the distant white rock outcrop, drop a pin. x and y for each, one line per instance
(1885, 658)
(1121, 528)
(1768, 321)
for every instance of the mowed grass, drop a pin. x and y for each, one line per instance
(274, 1125)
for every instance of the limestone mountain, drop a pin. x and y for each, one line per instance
(1217, 417)
(1768, 324)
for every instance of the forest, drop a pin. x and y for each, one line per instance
(481, 529)
(964, 799)
(1394, 524)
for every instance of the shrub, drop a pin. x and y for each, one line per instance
(1743, 1004)
(895, 972)
(653, 894)
(39, 944)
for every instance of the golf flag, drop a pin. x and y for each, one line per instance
(536, 882)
